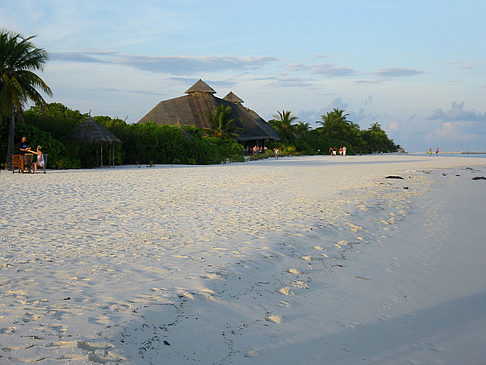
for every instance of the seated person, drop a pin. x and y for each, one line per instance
(40, 158)
(24, 146)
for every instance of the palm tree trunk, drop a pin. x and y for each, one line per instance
(11, 137)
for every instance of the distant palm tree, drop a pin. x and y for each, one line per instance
(301, 128)
(337, 117)
(19, 58)
(375, 127)
(221, 123)
(282, 123)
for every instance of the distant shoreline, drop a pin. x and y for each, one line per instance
(450, 153)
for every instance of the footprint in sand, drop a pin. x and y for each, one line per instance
(300, 284)
(286, 291)
(306, 258)
(294, 271)
(274, 318)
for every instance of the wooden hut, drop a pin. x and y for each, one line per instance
(199, 100)
(93, 133)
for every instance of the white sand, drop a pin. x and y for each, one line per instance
(311, 260)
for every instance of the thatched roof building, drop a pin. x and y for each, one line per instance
(191, 109)
(92, 132)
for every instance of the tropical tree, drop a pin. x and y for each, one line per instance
(335, 119)
(339, 130)
(282, 123)
(301, 129)
(221, 123)
(19, 59)
(377, 140)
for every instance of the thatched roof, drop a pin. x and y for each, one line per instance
(200, 87)
(92, 132)
(233, 98)
(192, 109)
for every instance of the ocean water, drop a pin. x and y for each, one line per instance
(476, 155)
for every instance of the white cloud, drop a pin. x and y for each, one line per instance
(176, 65)
(394, 126)
(396, 72)
(457, 113)
(453, 132)
(324, 69)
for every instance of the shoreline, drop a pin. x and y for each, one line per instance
(235, 263)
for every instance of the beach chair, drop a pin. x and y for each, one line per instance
(28, 158)
(17, 163)
(45, 163)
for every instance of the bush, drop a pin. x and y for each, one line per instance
(224, 150)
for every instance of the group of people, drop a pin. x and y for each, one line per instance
(260, 149)
(255, 149)
(436, 151)
(24, 148)
(342, 151)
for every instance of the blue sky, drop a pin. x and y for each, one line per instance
(416, 67)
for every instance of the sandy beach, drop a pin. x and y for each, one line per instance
(305, 260)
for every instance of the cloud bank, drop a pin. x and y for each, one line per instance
(177, 65)
(457, 113)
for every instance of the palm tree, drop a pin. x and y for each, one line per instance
(335, 118)
(283, 125)
(19, 58)
(301, 128)
(221, 124)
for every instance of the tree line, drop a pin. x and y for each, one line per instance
(334, 131)
(52, 125)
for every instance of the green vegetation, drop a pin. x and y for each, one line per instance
(51, 126)
(221, 123)
(19, 58)
(335, 131)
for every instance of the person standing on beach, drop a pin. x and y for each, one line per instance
(276, 152)
(344, 150)
(24, 146)
(437, 151)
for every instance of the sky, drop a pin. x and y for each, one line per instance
(416, 67)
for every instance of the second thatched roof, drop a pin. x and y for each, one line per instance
(92, 132)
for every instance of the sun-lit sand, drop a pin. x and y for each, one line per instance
(306, 260)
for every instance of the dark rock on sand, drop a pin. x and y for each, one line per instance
(394, 177)
(479, 178)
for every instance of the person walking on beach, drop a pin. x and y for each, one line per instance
(276, 152)
(437, 151)
(40, 158)
(430, 151)
(344, 150)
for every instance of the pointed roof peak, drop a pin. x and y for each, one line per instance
(231, 97)
(200, 87)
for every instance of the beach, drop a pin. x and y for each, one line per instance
(312, 260)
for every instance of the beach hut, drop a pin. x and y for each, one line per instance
(192, 109)
(93, 133)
